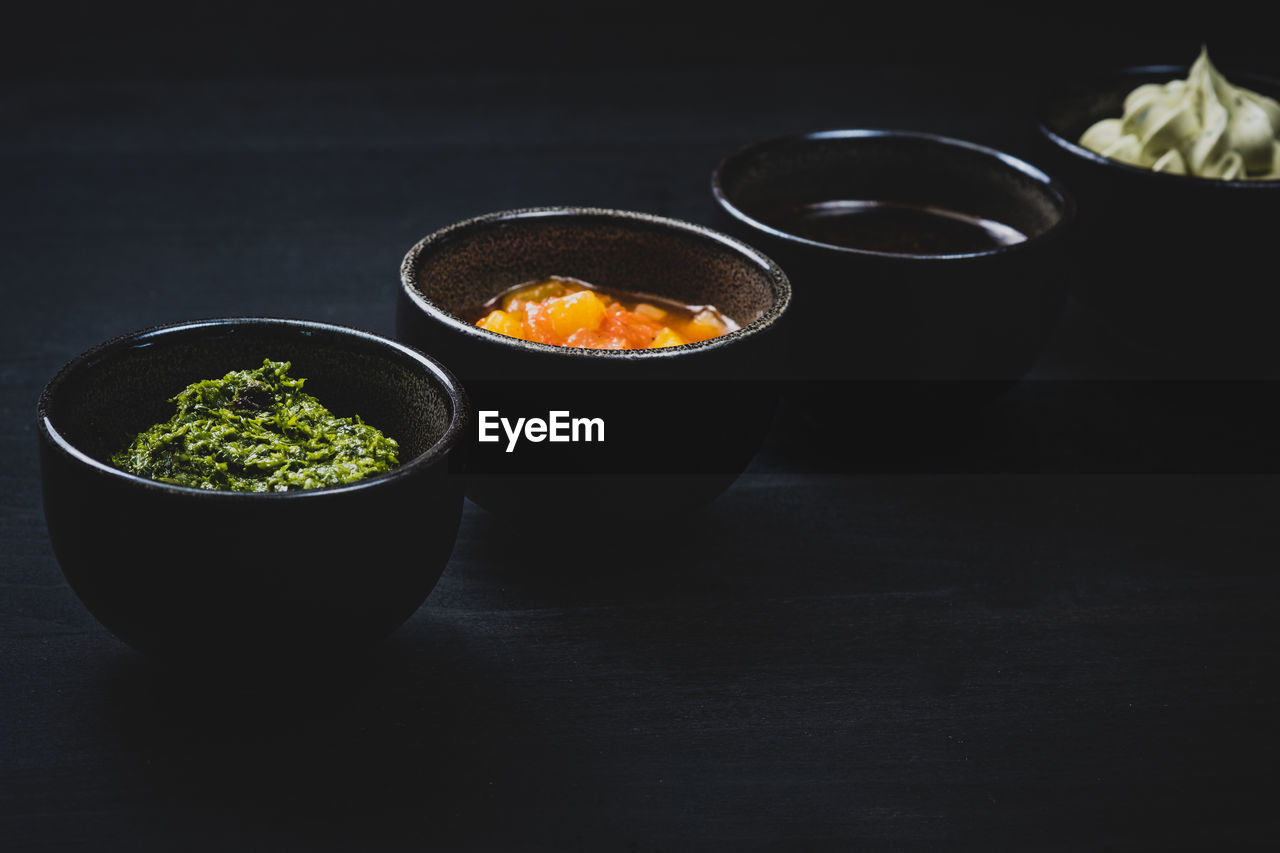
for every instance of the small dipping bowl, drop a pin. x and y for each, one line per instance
(678, 424)
(912, 256)
(250, 578)
(1179, 268)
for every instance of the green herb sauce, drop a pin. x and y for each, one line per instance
(257, 431)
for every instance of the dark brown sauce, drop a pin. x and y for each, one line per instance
(891, 227)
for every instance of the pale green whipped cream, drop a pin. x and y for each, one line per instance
(1200, 126)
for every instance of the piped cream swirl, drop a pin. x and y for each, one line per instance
(1201, 126)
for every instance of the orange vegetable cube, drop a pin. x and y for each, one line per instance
(504, 323)
(581, 310)
(704, 325)
(667, 338)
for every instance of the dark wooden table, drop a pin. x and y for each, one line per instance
(1051, 627)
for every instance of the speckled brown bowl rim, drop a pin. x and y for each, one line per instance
(778, 279)
(1075, 149)
(458, 404)
(1066, 202)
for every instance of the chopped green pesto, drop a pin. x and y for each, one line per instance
(257, 431)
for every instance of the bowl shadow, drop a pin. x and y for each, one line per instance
(403, 745)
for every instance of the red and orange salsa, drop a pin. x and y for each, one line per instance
(572, 313)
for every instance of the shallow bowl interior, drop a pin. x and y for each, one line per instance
(108, 396)
(453, 271)
(885, 166)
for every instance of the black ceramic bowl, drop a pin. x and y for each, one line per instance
(184, 573)
(888, 286)
(679, 423)
(1179, 266)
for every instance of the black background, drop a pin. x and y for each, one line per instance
(201, 38)
(1048, 625)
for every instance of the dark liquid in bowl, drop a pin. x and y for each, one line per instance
(882, 226)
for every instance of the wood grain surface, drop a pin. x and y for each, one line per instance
(1047, 625)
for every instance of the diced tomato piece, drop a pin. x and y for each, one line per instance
(568, 313)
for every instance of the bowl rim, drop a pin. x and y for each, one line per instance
(1066, 202)
(1118, 77)
(458, 403)
(781, 285)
